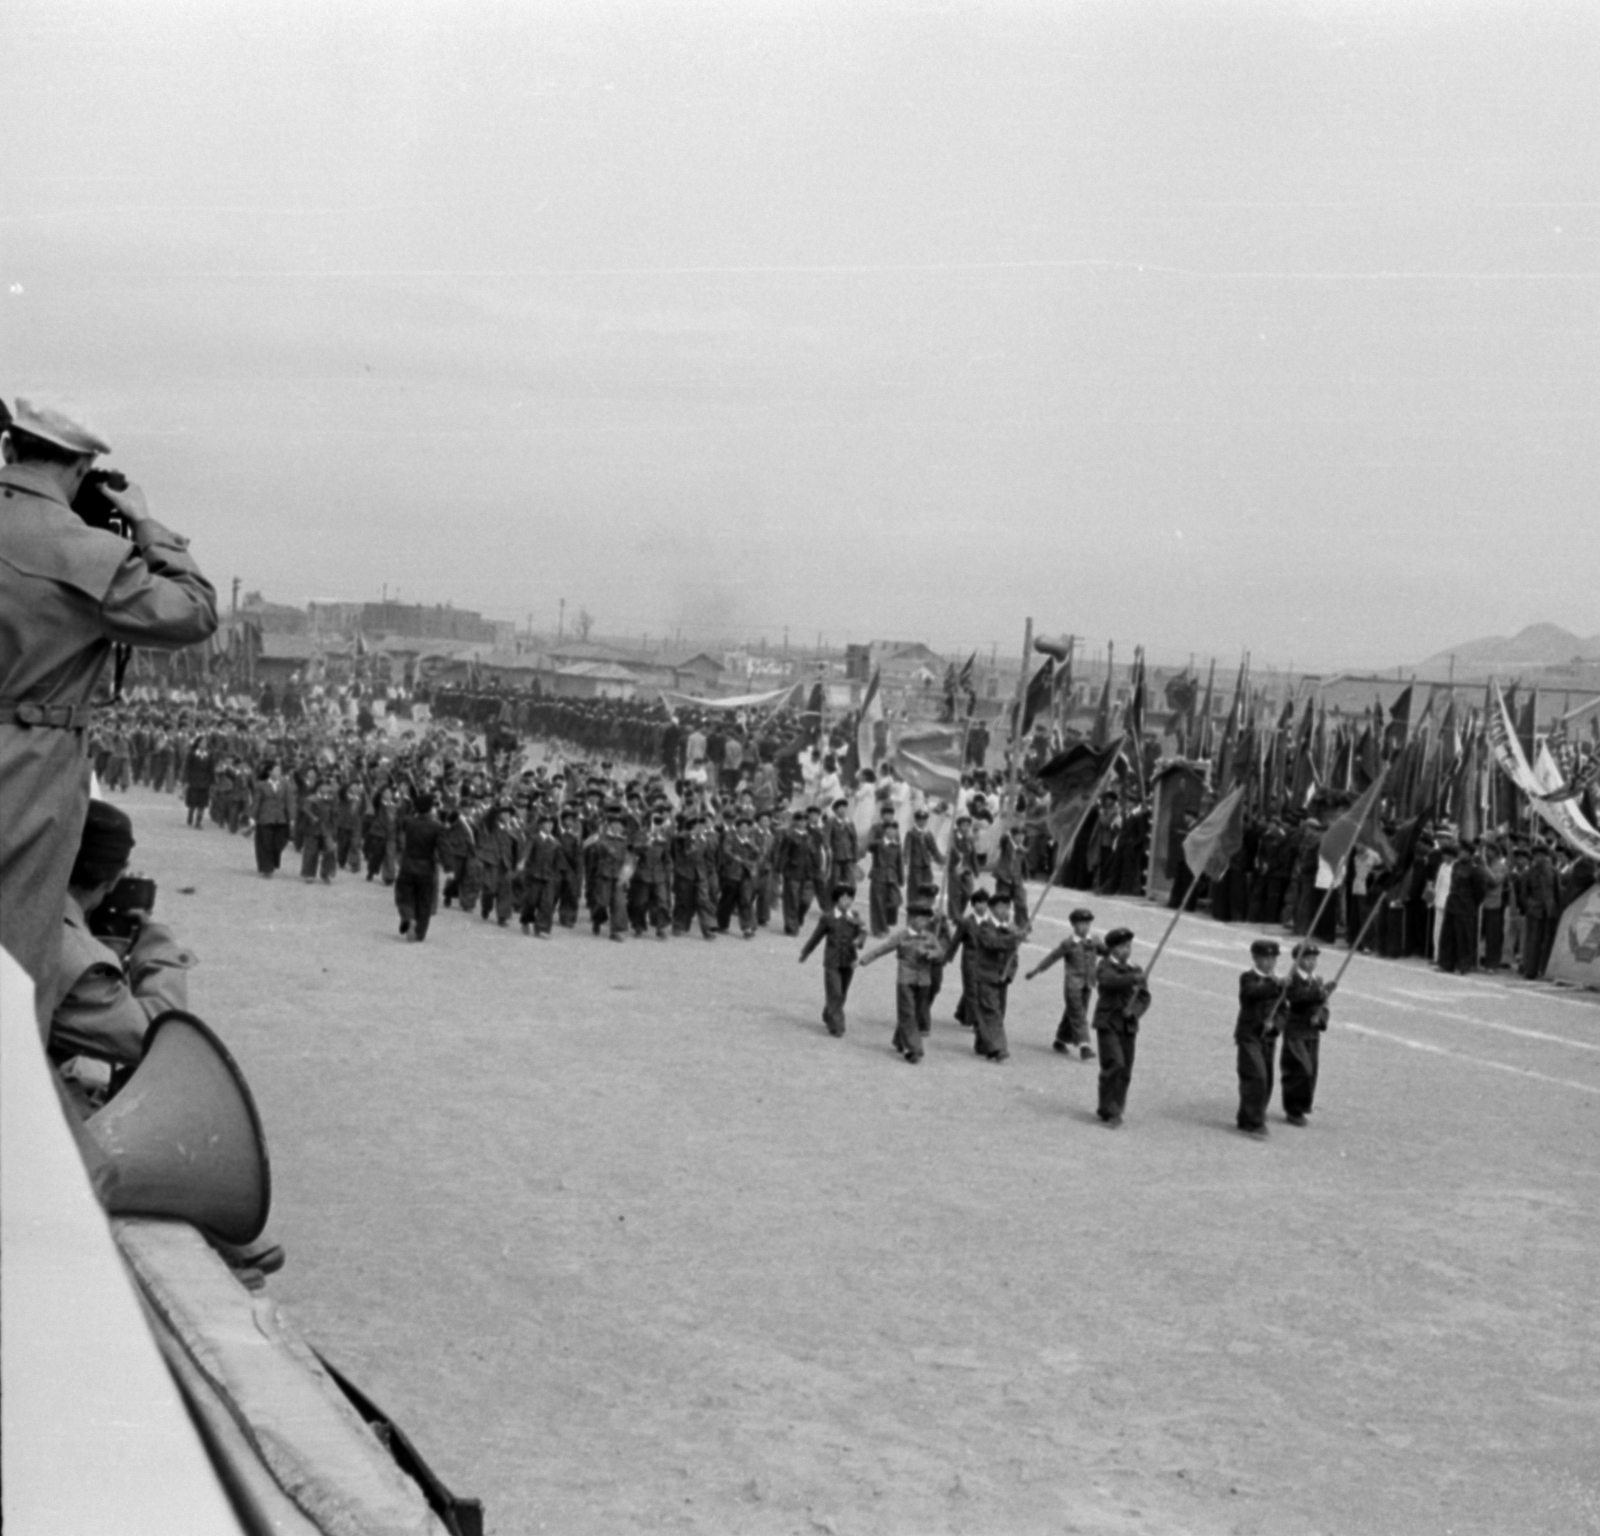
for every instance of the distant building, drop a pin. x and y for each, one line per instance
(273, 618)
(419, 621)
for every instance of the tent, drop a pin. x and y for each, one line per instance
(1575, 956)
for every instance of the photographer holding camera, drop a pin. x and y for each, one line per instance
(83, 568)
(119, 969)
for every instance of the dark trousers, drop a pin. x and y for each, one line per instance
(692, 897)
(835, 989)
(414, 894)
(1458, 941)
(1256, 1059)
(608, 907)
(271, 839)
(1494, 937)
(1116, 1071)
(1536, 946)
(797, 898)
(318, 856)
(1299, 1072)
(738, 895)
(568, 892)
(986, 1007)
(345, 853)
(497, 894)
(963, 1009)
(883, 906)
(649, 906)
(377, 851)
(912, 1022)
(538, 904)
(1073, 1029)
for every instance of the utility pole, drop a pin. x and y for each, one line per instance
(235, 608)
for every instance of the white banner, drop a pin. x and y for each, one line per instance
(1562, 816)
(743, 701)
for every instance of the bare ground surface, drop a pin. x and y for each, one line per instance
(628, 1244)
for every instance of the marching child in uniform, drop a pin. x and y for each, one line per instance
(1079, 953)
(845, 933)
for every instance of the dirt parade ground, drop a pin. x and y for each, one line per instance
(627, 1243)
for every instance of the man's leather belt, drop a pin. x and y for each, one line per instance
(57, 717)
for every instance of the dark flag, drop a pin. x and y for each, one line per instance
(948, 713)
(1368, 763)
(1074, 779)
(811, 716)
(965, 685)
(1102, 716)
(1303, 776)
(1037, 698)
(1063, 679)
(1200, 741)
(1136, 703)
(1399, 729)
(1528, 725)
(1246, 753)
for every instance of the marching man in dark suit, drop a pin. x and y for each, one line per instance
(1122, 1002)
(1255, 1035)
(1302, 1032)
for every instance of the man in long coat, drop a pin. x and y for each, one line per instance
(68, 593)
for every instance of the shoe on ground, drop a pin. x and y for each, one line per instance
(1059, 1047)
(1086, 1053)
(1113, 1122)
(1295, 1119)
(1254, 1132)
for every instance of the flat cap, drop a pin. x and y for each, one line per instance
(1306, 949)
(1118, 937)
(1264, 947)
(1081, 915)
(58, 424)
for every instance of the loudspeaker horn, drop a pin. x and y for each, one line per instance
(1059, 649)
(183, 1138)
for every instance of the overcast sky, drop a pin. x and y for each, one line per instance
(1204, 326)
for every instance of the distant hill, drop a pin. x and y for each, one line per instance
(1539, 645)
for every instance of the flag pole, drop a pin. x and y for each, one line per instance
(1378, 906)
(1188, 899)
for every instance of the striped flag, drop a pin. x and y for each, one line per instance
(929, 758)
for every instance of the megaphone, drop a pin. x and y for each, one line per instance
(183, 1138)
(1059, 649)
